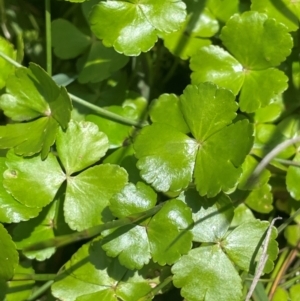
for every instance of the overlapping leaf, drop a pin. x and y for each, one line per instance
(91, 275)
(168, 158)
(163, 238)
(87, 193)
(293, 177)
(131, 27)
(5, 67)
(9, 257)
(256, 44)
(209, 266)
(31, 94)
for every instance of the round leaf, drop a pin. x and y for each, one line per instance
(214, 64)
(166, 157)
(80, 146)
(207, 109)
(206, 274)
(9, 257)
(31, 181)
(256, 41)
(88, 194)
(131, 26)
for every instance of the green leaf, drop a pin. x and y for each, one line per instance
(39, 179)
(292, 179)
(285, 11)
(132, 199)
(292, 234)
(131, 27)
(295, 292)
(261, 87)
(117, 133)
(212, 217)
(256, 41)
(165, 237)
(214, 64)
(11, 211)
(5, 67)
(224, 9)
(31, 137)
(220, 157)
(36, 230)
(242, 214)
(80, 146)
(74, 41)
(206, 274)
(91, 275)
(9, 257)
(88, 194)
(168, 105)
(21, 290)
(207, 109)
(100, 63)
(166, 157)
(245, 253)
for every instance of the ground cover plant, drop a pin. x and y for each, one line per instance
(149, 150)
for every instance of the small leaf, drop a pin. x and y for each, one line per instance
(243, 252)
(212, 217)
(131, 27)
(12, 211)
(293, 178)
(224, 9)
(9, 257)
(256, 41)
(6, 67)
(74, 41)
(88, 194)
(100, 63)
(90, 274)
(219, 158)
(80, 146)
(166, 157)
(168, 105)
(286, 12)
(206, 274)
(39, 179)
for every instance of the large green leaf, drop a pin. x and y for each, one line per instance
(206, 274)
(12, 211)
(9, 257)
(5, 67)
(167, 157)
(31, 181)
(131, 26)
(164, 238)
(284, 11)
(100, 63)
(80, 146)
(31, 93)
(74, 41)
(91, 275)
(256, 41)
(88, 194)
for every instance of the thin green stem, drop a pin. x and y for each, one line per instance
(287, 162)
(35, 277)
(10, 60)
(98, 110)
(107, 114)
(269, 157)
(94, 231)
(40, 291)
(288, 221)
(48, 36)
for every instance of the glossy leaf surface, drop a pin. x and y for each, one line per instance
(5, 67)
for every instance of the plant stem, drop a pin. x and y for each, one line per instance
(35, 277)
(98, 110)
(269, 157)
(48, 36)
(94, 231)
(287, 162)
(288, 221)
(107, 114)
(40, 291)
